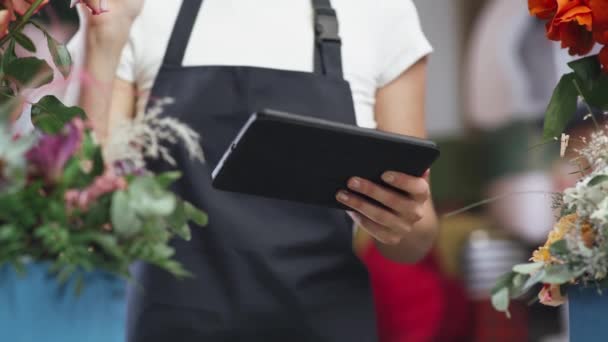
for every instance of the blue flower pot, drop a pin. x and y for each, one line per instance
(588, 315)
(34, 307)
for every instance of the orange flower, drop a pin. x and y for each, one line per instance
(543, 9)
(572, 25)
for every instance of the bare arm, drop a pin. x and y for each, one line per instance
(405, 232)
(106, 36)
(400, 108)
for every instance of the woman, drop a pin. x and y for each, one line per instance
(269, 270)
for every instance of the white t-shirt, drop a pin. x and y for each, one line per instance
(380, 40)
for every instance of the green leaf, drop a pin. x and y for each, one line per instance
(9, 55)
(29, 72)
(9, 103)
(517, 285)
(61, 56)
(24, 41)
(50, 115)
(561, 107)
(152, 200)
(165, 179)
(500, 300)
(559, 247)
(503, 281)
(124, 220)
(597, 180)
(528, 268)
(558, 274)
(178, 222)
(534, 279)
(587, 68)
(195, 215)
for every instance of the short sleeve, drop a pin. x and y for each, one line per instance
(403, 43)
(126, 66)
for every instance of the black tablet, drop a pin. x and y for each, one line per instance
(298, 158)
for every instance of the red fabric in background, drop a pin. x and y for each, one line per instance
(416, 303)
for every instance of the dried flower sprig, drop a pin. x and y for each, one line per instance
(146, 136)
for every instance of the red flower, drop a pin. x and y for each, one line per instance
(572, 25)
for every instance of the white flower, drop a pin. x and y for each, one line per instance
(600, 215)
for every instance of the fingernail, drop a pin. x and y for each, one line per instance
(355, 183)
(342, 196)
(388, 177)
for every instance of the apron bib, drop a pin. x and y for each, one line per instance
(265, 270)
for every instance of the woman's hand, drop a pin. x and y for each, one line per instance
(115, 24)
(404, 198)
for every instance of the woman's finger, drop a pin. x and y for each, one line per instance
(378, 232)
(373, 212)
(416, 187)
(398, 202)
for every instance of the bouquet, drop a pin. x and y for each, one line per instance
(576, 252)
(62, 199)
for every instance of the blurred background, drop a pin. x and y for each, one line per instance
(490, 78)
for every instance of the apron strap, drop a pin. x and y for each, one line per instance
(328, 46)
(182, 30)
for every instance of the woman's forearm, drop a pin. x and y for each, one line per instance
(103, 49)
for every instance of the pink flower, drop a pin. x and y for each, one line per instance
(52, 152)
(107, 183)
(551, 295)
(96, 6)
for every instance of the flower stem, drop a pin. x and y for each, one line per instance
(497, 198)
(22, 21)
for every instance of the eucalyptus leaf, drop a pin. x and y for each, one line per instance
(534, 279)
(50, 115)
(597, 180)
(561, 107)
(124, 220)
(528, 268)
(500, 300)
(61, 56)
(24, 41)
(29, 72)
(558, 274)
(503, 281)
(151, 198)
(518, 285)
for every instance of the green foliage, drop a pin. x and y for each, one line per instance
(587, 81)
(37, 220)
(598, 180)
(61, 55)
(562, 106)
(30, 72)
(50, 115)
(24, 41)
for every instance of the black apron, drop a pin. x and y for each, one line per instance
(265, 270)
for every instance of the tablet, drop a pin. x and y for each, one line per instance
(298, 158)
